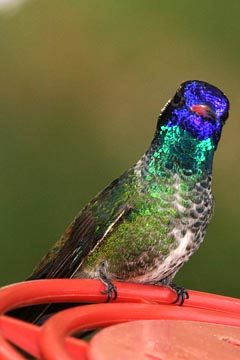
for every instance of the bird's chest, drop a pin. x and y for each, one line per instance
(184, 210)
(182, 203)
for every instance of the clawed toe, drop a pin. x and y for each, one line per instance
(181, 293)
(111, 291)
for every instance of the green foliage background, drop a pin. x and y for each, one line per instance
(82, 83)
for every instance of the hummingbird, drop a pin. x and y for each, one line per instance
(147, 223)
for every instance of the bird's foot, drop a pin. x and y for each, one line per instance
(111, 290)
(181, 293)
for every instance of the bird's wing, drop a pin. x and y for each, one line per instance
(88, 229)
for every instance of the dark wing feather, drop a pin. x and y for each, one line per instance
(61, 262)
(87, 230)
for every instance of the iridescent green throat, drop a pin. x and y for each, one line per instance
(174, 149)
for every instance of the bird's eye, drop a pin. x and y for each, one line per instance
(177, 100)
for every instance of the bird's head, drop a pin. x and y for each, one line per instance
(197, 107)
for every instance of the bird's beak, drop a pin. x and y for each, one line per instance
(203, 110)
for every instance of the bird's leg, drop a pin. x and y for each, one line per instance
(111, 290)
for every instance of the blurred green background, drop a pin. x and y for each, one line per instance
(82, 83)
